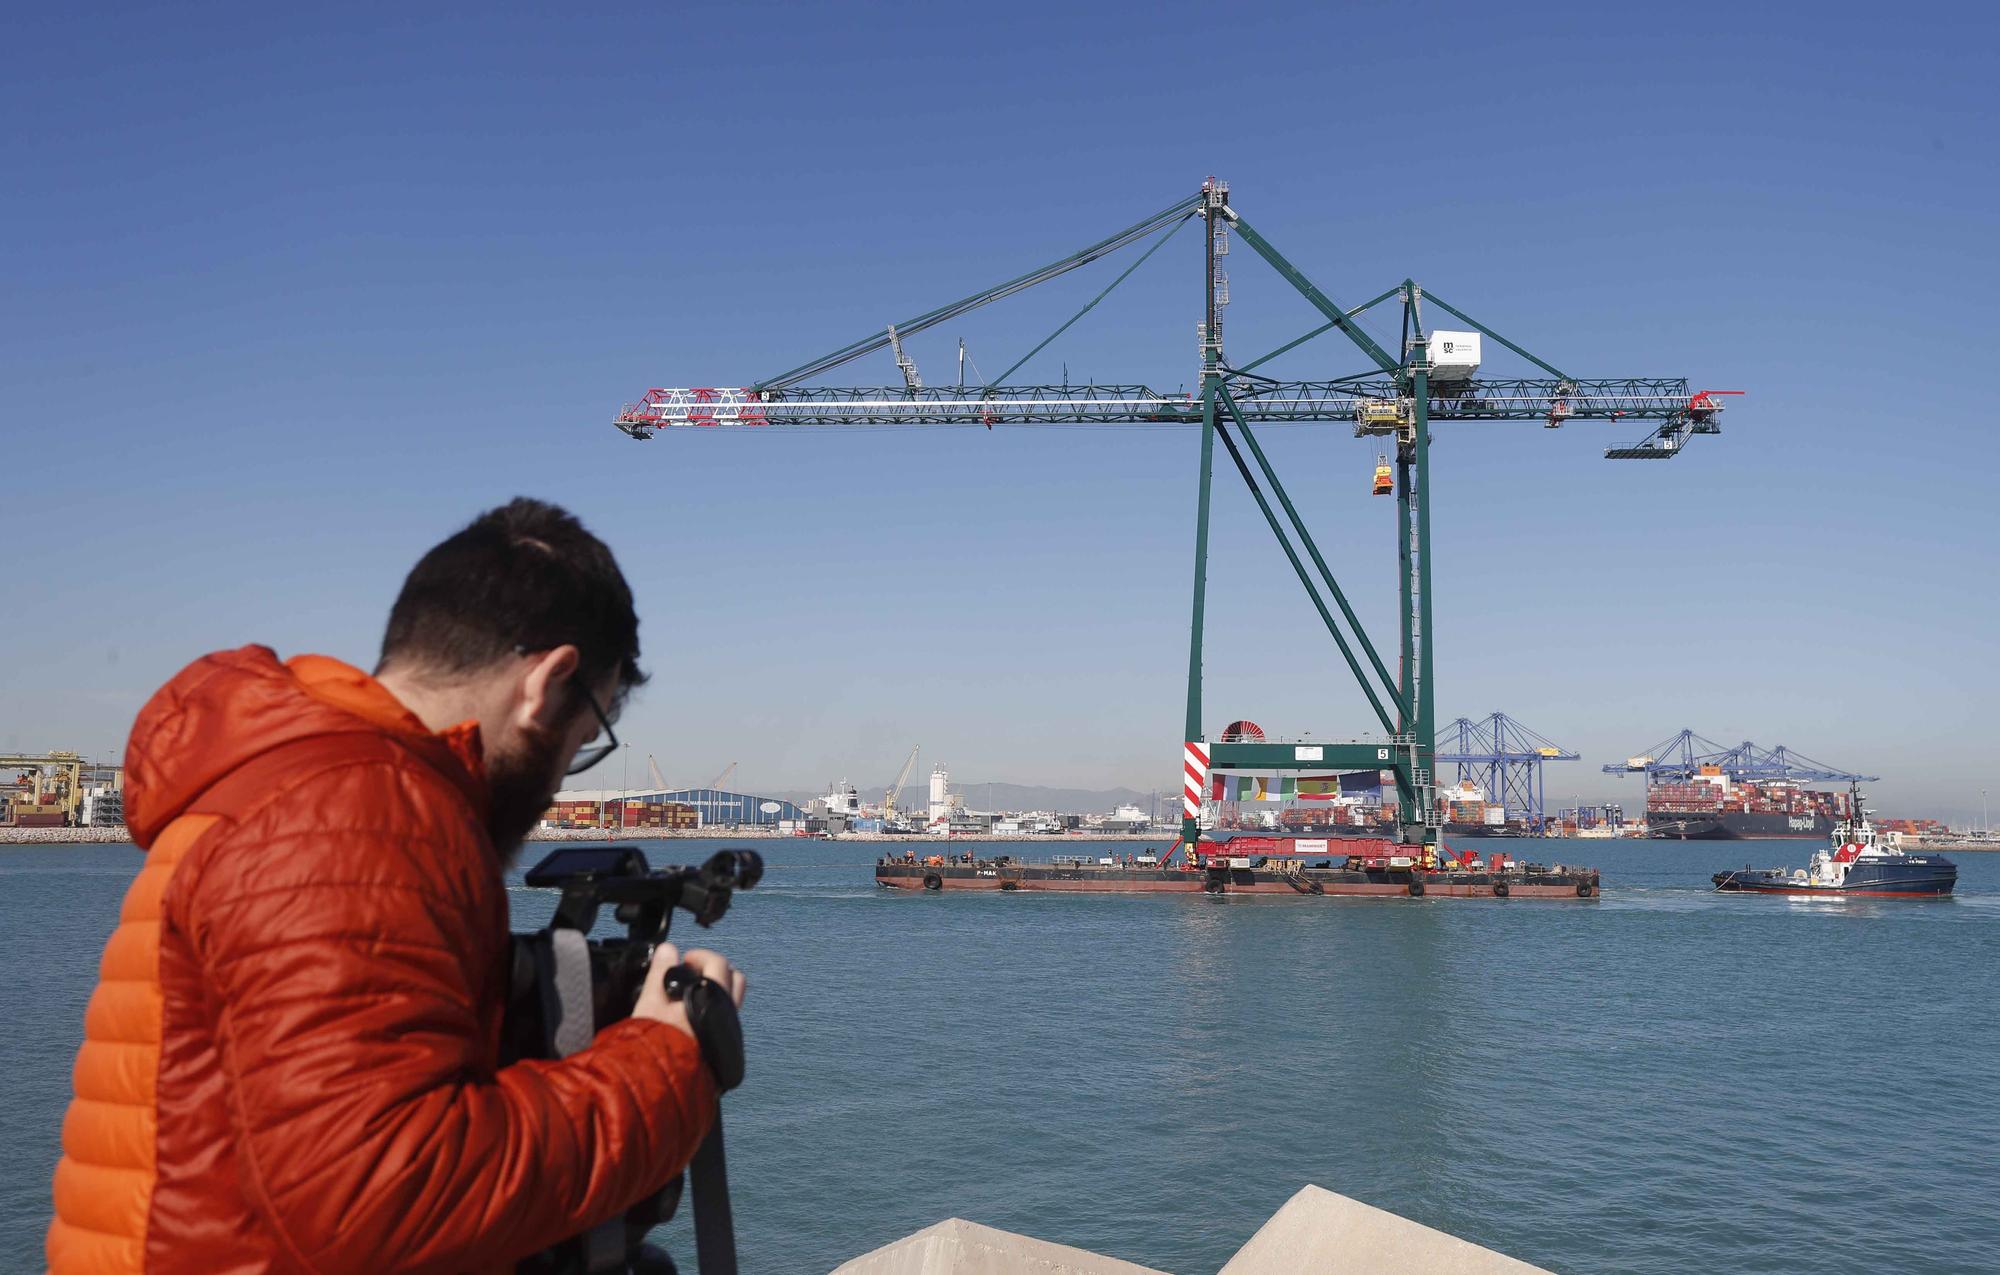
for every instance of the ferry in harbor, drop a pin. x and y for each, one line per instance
(1855, 861)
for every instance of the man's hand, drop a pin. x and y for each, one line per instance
(653, 1002)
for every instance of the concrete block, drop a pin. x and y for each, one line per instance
(957, 1247)
(1330, 1234)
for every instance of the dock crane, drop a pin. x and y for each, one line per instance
(895, 793)
(1682, 757)
(57, 779)
(1433, 377)
(1505, 758)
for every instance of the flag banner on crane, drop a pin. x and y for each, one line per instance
(1241, 785)
(1284, 786)
(1238, 786)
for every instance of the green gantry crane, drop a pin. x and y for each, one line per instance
(1435, 377)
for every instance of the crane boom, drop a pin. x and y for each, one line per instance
(895, 793)
(1373, 404)
(1681, 758)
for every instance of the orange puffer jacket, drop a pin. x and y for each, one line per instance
(291, 1059)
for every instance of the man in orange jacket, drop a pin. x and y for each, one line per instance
(291, 1059)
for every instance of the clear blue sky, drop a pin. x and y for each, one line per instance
(290, 295)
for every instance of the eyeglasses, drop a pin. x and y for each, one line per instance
(594, 751)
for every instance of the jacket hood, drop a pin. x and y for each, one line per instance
(226, 709)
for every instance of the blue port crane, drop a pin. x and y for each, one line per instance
(1428, 375)
(1680, 758)
(1505, 758)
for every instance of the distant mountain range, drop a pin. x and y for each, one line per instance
(998, 796)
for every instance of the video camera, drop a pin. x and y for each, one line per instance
(566, 987)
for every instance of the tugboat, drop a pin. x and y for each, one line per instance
(1854, 862)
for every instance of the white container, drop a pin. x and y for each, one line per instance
(1454, 355)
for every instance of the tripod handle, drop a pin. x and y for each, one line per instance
(718, 1029)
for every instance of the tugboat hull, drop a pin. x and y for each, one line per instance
(1856, 863)
(1919, 876)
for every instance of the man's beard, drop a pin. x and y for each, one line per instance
(519, 791)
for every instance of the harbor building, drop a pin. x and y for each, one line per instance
(712, 807)
(612, 809)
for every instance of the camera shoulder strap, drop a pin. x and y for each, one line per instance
(571, 1022)
(714, 1225)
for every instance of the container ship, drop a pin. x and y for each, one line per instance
(1312, 867)
(1469, 814)
(1712, 807)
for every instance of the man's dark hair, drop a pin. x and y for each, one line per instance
(525, 576)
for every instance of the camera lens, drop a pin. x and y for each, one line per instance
(750, 868)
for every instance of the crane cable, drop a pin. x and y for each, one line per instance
(911, 327)
(1002, 379)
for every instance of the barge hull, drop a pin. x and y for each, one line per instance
(1306, 882)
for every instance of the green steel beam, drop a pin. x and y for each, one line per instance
(1306, 756)
(1407, 810)
(1312, 547)
(1190, 825)
(1406, 794)
(1426, 705)
(1310, 291)
(1286, 348)
(1211, 382)
(1328, 326)
(1319, 604)
(1462, 316)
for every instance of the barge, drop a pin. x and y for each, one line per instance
(1354, 867)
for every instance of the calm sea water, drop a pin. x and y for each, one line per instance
(1665, 1079)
